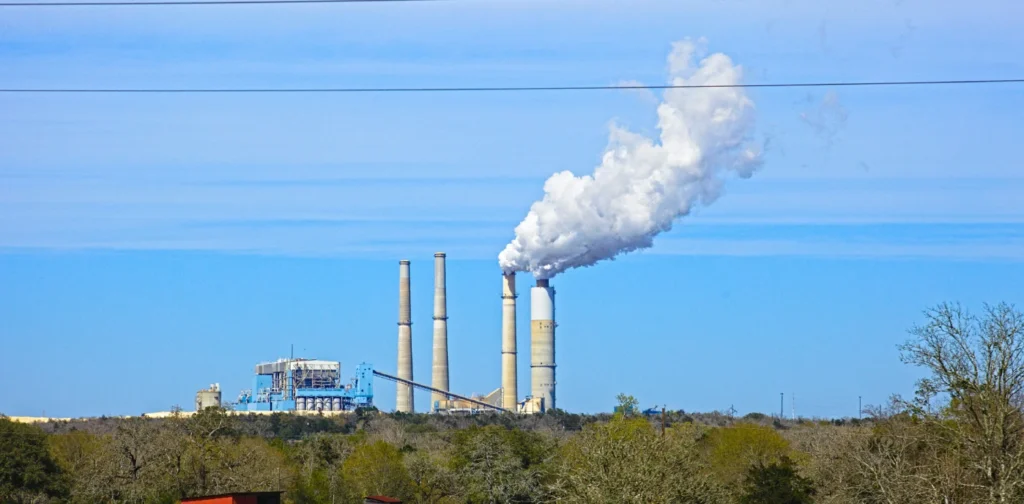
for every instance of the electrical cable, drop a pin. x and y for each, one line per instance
(511, 88)
(188, 2)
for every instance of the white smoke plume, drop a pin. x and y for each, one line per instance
(642, 184)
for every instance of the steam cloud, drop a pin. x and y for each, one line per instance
(642, 185)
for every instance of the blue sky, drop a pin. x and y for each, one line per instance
(152, 244)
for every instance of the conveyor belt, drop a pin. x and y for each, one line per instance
(439, 391)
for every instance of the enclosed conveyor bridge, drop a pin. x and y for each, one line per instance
(445, 393)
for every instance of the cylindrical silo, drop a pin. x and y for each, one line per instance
(509, 386)
(439, 377)
(542, 343)
(300, 404)
(336, 404)
(403, 401)
(208, 398)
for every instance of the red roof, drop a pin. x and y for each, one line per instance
(383, 499)
(230, 497)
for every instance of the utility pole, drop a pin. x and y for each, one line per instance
(792, 402)
(860, 408)
(662, 421)
(782, 405)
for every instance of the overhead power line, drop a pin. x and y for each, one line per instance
(509, 88)
(188, 2)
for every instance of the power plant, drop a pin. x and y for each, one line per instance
(313, 385)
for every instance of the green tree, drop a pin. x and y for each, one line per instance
(206, 454)
(776, 483)
(27, 470)
(434, 479)
(498, 465)
(627, 461)
(377, 469)
(198, 447)
(317, 463)
(81, 456)
(627, 405)
(735, 448)
(75, 451)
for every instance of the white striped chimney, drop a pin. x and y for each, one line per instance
(439, 377)
(542, 343)
(403, 399)
(509, 386)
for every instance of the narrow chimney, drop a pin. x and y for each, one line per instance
(542, 343)
(403, 400)
(439, 376)
(509, 387)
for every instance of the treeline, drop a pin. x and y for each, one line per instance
(959, 440)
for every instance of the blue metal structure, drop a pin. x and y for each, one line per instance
(307, 385)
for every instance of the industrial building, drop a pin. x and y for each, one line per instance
(208, 398)
(315, 386)
(306, 385)
(459, 406)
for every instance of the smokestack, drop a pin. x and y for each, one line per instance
(403, 400)
(542, 342)
(509, 387)
(440, 369)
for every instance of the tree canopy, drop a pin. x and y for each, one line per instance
(959, 440)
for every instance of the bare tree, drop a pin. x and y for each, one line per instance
(978, 362)
(495, 474)
(387, 429)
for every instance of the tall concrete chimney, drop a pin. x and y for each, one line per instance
(439, 377)
(509, 387)
(403, 400)
(542, 343)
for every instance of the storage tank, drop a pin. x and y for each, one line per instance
(208, 398)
